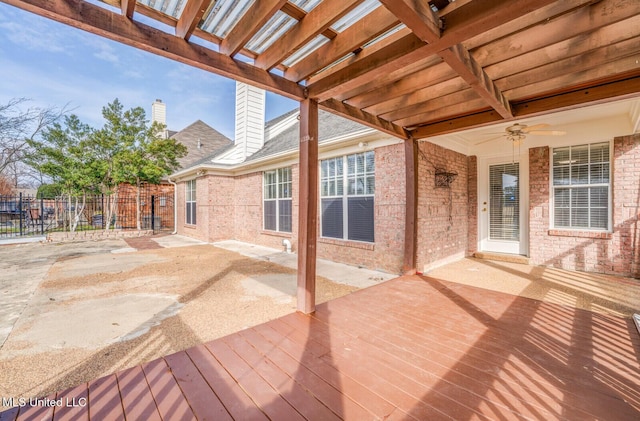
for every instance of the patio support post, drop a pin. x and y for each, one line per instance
(411, 203)
(308, 205)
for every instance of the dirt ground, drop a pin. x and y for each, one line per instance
(97, 313)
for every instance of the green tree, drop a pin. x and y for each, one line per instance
(81, 160)
(65, 155)
(139, 153)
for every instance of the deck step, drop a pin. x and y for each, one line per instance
(501, 257)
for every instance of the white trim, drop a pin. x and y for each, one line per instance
(277, 199)
(484, 244)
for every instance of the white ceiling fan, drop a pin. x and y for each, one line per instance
(518, 132)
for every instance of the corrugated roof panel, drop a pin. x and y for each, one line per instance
(355, 15)
(307, 49)
(172, 8)
(224, 15)
(306, 5)
(277, 26)
(386, 34)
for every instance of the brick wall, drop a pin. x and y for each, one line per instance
(248, 204)
(615, 253)
(219, 202)
(233, 208)
(442, 212)
(200, 230)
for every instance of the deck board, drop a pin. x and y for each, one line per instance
(412, 348)
(202, 399)
(105, 401)
(137, 400)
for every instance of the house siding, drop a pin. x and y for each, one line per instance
(443, 220)
(616, 252)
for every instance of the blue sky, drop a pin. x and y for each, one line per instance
(52, 65)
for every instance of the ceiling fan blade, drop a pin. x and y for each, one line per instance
(547, 132)
(491, 139)
(529, 129)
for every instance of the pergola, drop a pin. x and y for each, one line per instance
(410, 68)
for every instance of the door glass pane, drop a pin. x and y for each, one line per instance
(504, 202)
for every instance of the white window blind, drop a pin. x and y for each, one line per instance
(190, 193)
(504, 202)
(581, 186)
(277, 200)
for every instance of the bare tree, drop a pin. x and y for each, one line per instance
(17, 127)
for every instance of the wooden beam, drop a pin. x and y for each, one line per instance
(251, 22)
(576, 46)
(624, 87)
(362, 117)
(444, 111)
(418, 17)
(462, 24)
(420, 111)
(582, 22)
(589, 77)
(411, 206)
(100, 21)
(418, 95)
(462, 63)
(190, 17)
(316, 21)
(456, 124)
(546, 15)
(396, 55)
(308, 206)
(579, 64)
(127, 7)
(366, 29)
(628, 86)
(298, 14)
(425, 72)
(423, 21)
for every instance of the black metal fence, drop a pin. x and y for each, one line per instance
(23, 215)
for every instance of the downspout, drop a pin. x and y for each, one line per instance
(175, 206)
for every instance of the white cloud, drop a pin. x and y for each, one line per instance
(29, 34)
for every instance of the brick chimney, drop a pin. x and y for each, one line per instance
(159, 113)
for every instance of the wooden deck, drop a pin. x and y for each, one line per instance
(411, 348)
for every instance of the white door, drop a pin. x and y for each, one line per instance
(500, 209)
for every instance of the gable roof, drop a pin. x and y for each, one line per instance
(330, 126)
(201, 141)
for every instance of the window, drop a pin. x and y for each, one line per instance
(581, 187)
(277, 200)
(191, 202)
(347, 187)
